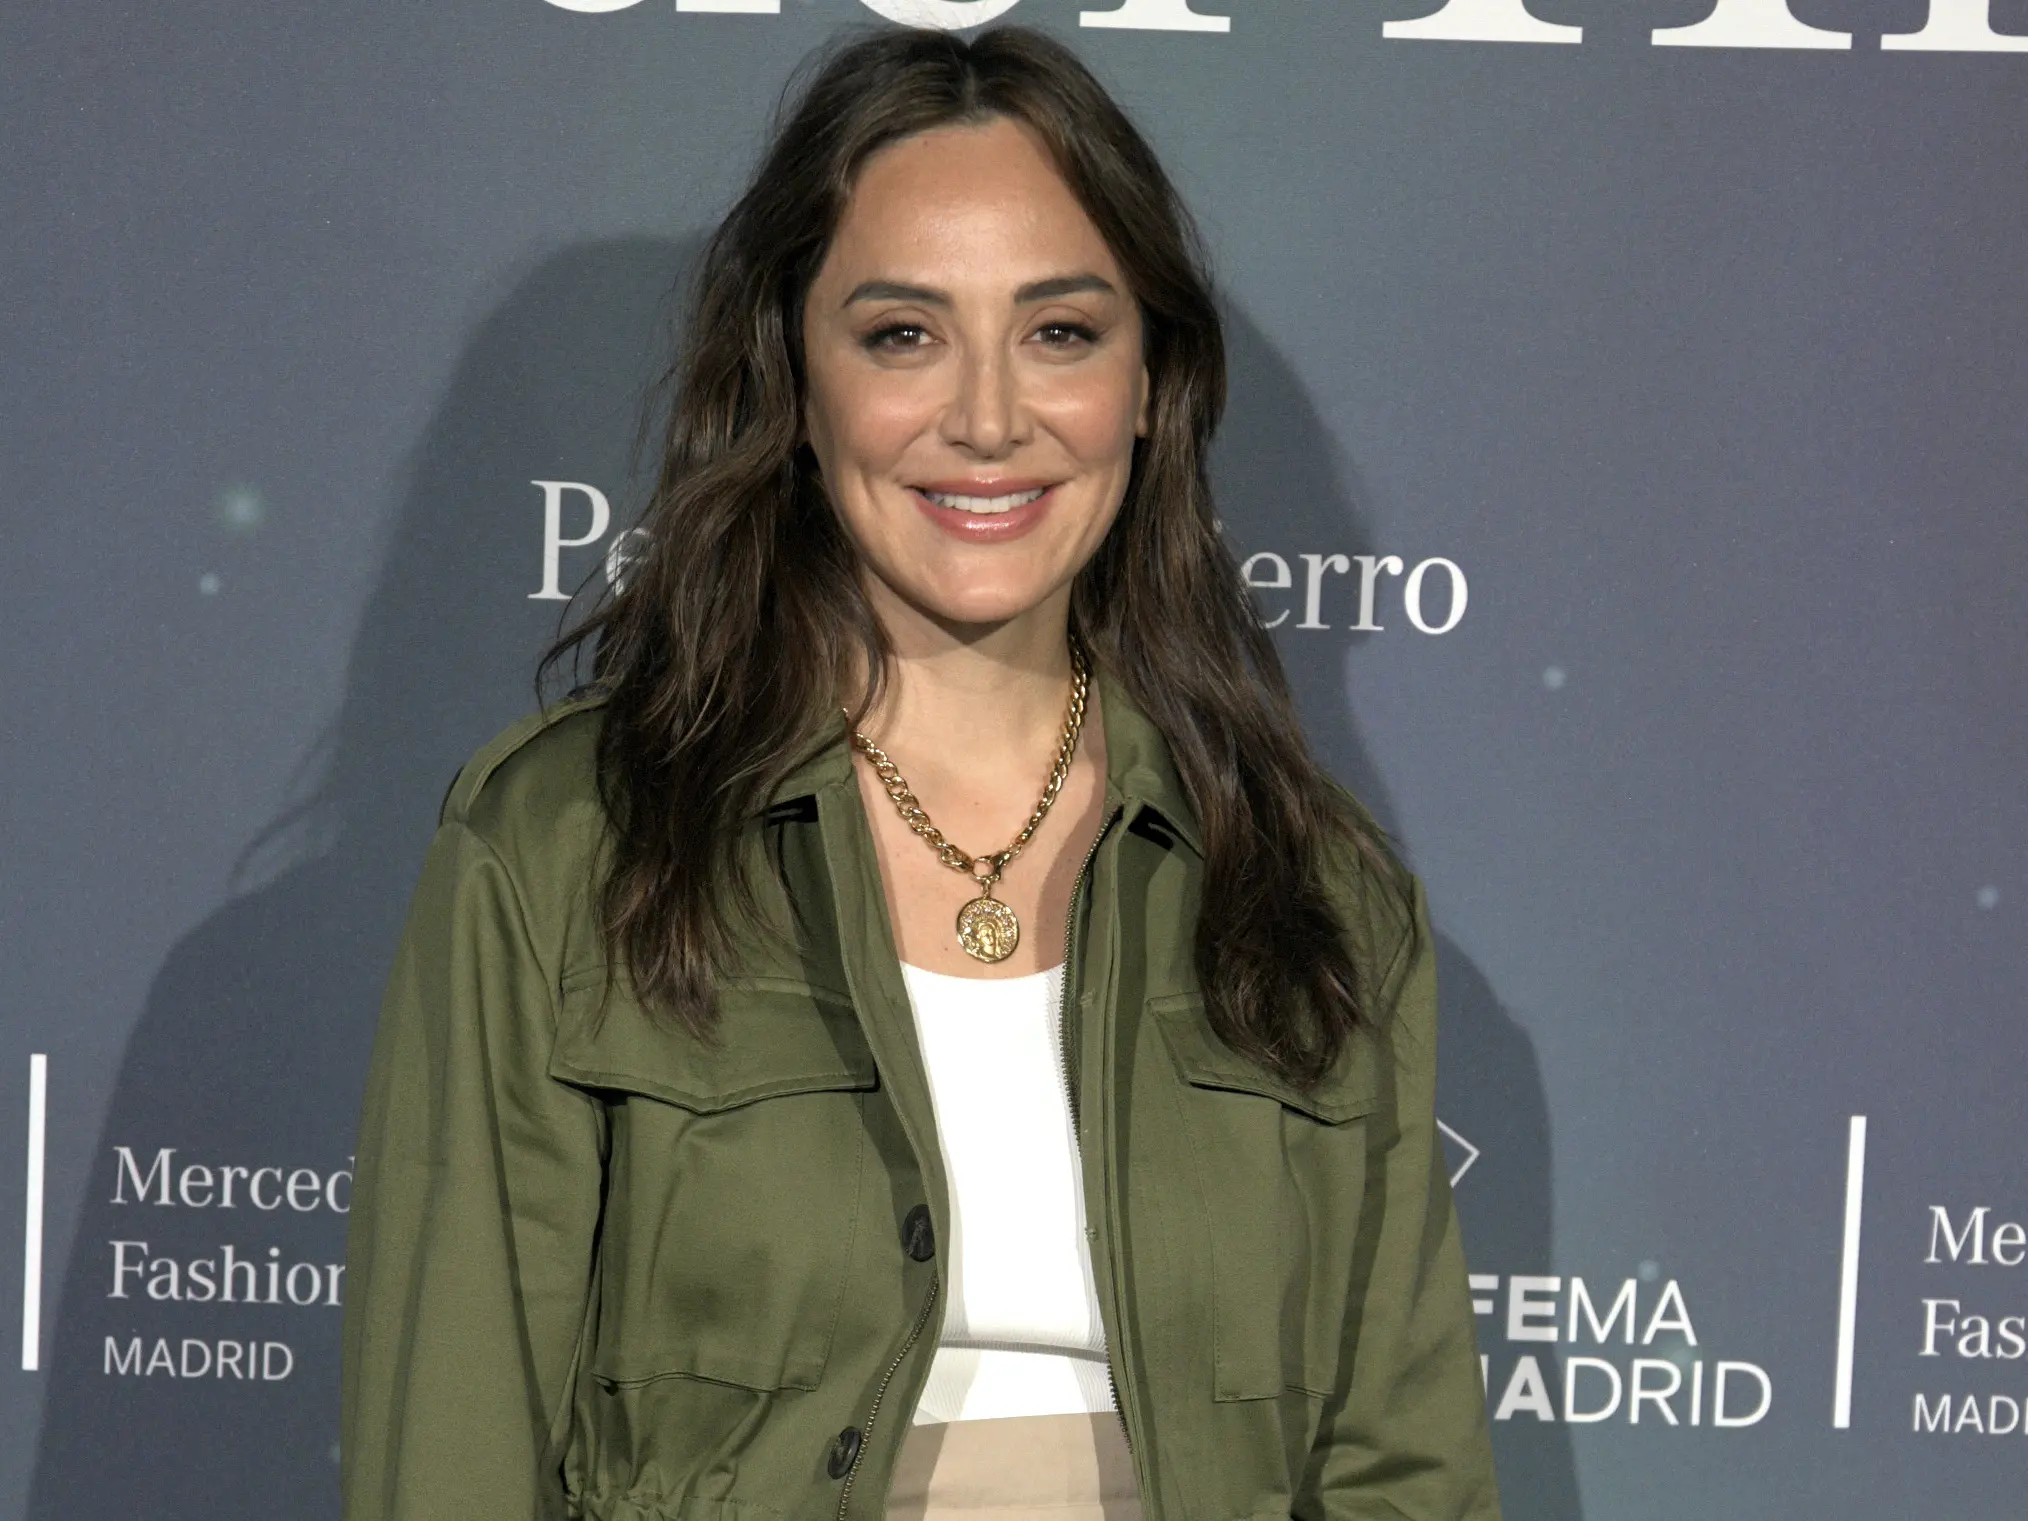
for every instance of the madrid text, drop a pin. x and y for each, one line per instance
(1642, 1364)
(155, 1265)
(1979, 1325)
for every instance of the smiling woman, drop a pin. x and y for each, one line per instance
(988, 409)
(725, 1155)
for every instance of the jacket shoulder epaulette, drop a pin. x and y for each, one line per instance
(487, 762)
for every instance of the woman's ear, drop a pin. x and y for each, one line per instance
(1147, 392)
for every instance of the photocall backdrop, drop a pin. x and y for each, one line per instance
(1626, 446)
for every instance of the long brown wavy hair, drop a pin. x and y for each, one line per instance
(728, 655)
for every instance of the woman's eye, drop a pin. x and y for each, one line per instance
(1063, 335)
(895, 337)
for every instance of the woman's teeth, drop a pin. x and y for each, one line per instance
(988, 504)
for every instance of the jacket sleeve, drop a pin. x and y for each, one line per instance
(474, 1218)
(1406, 1438)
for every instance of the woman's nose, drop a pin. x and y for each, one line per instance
(985, 413)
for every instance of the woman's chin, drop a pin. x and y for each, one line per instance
(986, 607)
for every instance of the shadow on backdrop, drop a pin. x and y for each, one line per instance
(1284, 485)
(252, 1049)
(251, 1052)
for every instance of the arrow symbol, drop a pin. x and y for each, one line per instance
(1471, 1152)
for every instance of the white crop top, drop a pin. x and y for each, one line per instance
(1021, 1334)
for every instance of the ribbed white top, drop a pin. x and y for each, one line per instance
(1022, 1334)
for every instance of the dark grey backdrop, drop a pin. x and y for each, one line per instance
(1703, 365)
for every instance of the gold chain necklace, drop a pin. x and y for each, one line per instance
(987, 928)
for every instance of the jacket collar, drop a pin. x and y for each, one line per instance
(1139, 769)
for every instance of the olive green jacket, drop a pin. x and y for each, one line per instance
(601, 1269)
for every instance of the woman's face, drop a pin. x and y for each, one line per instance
(974, 373)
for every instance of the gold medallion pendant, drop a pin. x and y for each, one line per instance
(987, 928)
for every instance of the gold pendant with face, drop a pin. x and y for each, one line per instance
(988, 930)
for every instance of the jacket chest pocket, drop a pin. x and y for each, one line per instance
(1283, 1179)
(734, 1180)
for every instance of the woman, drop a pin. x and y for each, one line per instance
(739, 1146)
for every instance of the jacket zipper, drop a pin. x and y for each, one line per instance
(1069, 1094)
(879, 1394)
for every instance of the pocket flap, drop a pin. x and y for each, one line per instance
(775, 1036)
(1347, 1091)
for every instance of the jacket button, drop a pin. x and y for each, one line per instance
(918, 1236)
(844, 1449)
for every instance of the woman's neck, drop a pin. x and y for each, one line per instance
(973, 718)
(984, 703)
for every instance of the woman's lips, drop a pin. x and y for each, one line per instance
(985, 527)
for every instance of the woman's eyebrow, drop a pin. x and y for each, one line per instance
(1038, 290)
(889, 290)
(1064, 285)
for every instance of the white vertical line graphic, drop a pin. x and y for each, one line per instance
(31, 1249)
(1848, 1276)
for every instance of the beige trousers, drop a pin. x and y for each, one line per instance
(1025, 1468)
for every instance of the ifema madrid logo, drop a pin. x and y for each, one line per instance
(1951, 26)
